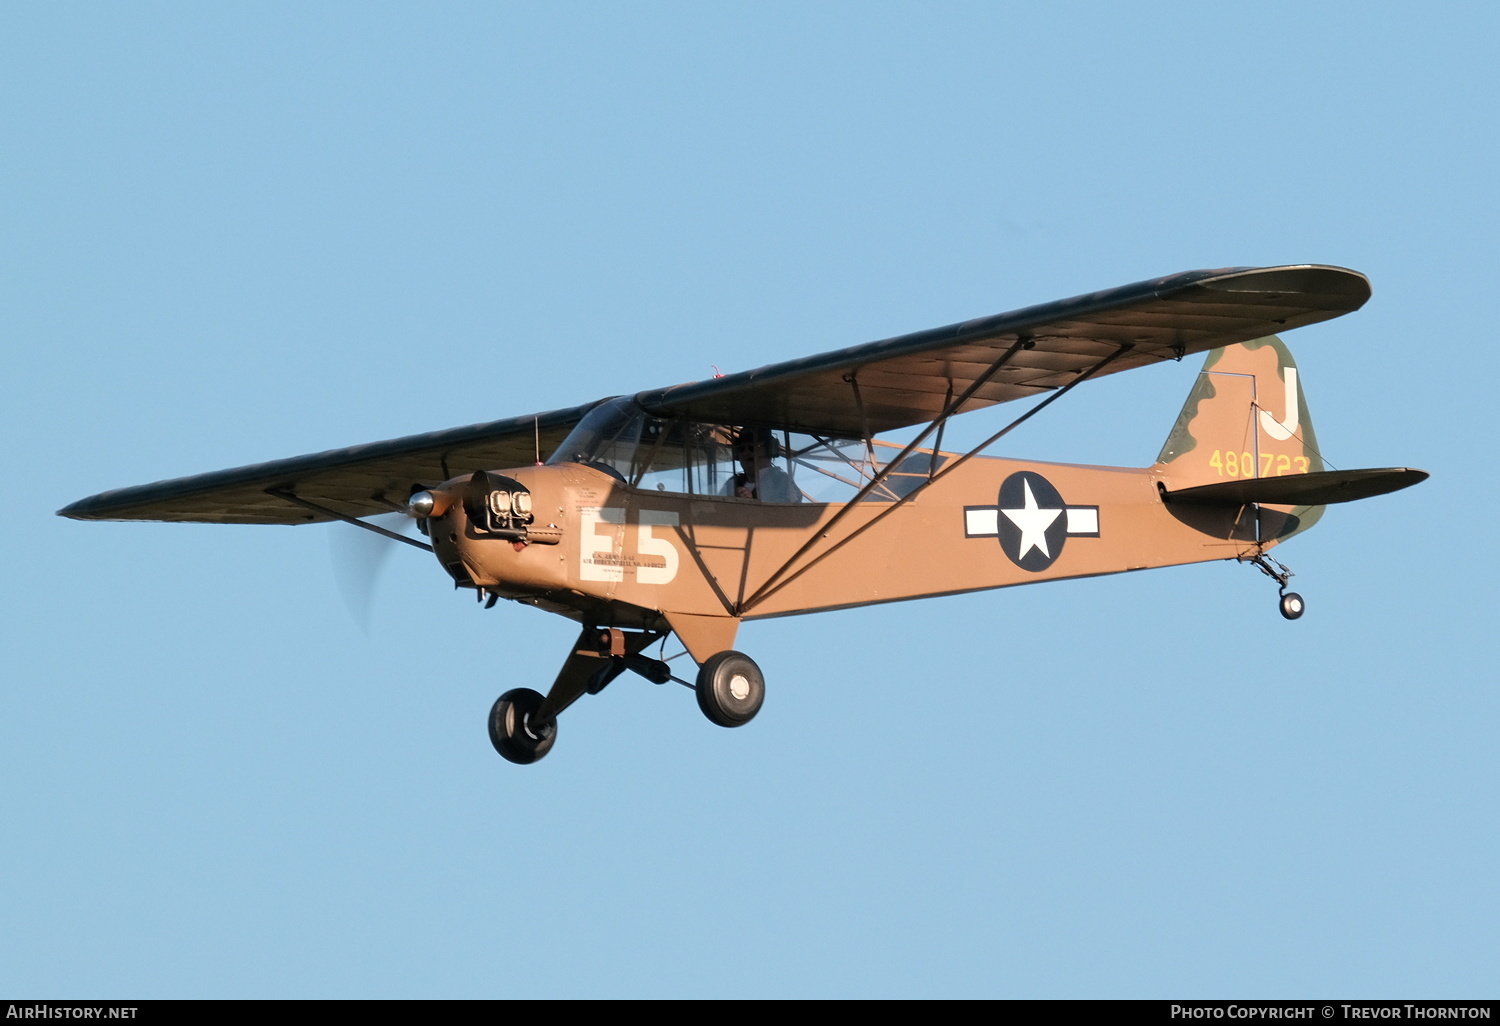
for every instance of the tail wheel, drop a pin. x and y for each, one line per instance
(730, 689)
(513, 734)
(1292, 605)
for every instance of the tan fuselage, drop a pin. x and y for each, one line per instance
(635, 558)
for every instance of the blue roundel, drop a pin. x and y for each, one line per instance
(1033, 521)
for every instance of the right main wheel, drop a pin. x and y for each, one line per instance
(512, 732)
(730, 689)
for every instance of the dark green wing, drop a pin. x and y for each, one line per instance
(904, 381)
(359, 481)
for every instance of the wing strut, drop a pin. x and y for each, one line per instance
(864, 420)
(937, 446)
(780, 579)
(282, 493)
(1021, 343)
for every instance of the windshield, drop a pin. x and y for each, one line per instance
(604, 439)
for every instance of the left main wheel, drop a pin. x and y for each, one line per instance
(513, 734)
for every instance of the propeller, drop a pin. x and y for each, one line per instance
(358, 558)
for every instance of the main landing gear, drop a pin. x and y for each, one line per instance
(730, 689)
(523, 723)
(1291, 604)
(513, 730)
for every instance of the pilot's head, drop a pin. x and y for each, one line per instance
(756, 447)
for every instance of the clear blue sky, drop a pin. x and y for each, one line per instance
(230, 233)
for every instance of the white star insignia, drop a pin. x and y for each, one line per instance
(1033, 522)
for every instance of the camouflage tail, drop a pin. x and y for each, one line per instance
(1246, 417)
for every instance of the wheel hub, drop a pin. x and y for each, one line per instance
(739, 687)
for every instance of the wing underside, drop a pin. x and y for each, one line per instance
(360, 481)
(902, 381)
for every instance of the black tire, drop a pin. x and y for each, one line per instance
(511, 731)
(1292, 605)
(730, 689)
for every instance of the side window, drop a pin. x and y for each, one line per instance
(912, 472)
(683, 456)
(732, 461)
(836, 469)
(827, 469)
(712, 454)
(718, 460)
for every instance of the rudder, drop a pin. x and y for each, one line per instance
(1246, 417)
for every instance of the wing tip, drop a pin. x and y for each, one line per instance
(1349, 286)
(78, 510)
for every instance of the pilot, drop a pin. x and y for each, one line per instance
(761, 478)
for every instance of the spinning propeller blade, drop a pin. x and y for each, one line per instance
(358, 558)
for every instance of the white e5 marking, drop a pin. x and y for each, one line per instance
(602, 555)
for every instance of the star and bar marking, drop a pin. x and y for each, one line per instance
(1031, 520)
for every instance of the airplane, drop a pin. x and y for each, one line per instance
(689, 509)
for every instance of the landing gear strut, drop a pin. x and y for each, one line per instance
(1291, 604)
(523, 723)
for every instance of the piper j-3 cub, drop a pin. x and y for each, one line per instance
(686, 510)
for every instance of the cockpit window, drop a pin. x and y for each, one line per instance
(733, 461)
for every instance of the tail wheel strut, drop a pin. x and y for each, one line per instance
(1291, 604)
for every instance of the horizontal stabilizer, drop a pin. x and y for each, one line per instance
(1316, 489)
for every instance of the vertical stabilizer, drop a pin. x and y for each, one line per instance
(1246, 417)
